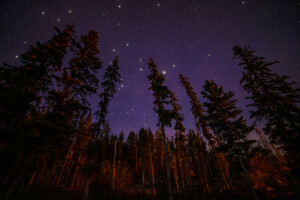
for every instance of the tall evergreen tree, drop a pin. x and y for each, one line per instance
(111, 78)
(161, 99)
(178, 116)
(197, 111)
(274, 99)
(223, 118)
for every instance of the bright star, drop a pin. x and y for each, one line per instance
(43, 12)
(70, 11)
(164, 72)
(122, 85)
(173, 65)
(141, 69)
(17, 56)
(119, 6)
(127, 44)
(113, 50)
(243, 2)
(158, 4)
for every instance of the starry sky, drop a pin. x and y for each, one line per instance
(192, 37)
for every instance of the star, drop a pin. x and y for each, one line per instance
(141, 69)
(243, 2)
(208, 55)
(16, 56)
(140, 59)
(58, 20)
(43, 13)
(173, 65)
(164, 72)
(158, 4)
(119, 6)
(113, 50)
(25, 42)
(70, 11)
(118, 24)
(122, 85)
(127, 44)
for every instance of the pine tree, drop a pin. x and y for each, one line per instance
(223, 118)
(274, 99)
(161, 99)
(197, 111)
(178, 116)
(111, 78)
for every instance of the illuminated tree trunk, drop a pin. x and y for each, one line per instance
(152, 171)
(167, 163)
(176, 173)
(247, 178)
(114, 165)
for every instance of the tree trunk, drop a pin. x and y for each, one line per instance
(152, 173)
(143, 175)
(247, 178)
(167, 163)
(87, 188)
(114, 166)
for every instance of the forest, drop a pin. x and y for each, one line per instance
(54, 146)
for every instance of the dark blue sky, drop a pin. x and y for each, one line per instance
(190, 37)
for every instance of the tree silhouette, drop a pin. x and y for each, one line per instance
(274, 99)
(161, 98)
(230, 129)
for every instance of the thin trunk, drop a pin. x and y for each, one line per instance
(176, 173)
(114, 166)
(66, 183)
(87, 188)
(167, 164)
(32, 178)
(187, 174)
(152, 173)
(211, 174)
(181, 173)
(136, 165)
(143, 176)
(247, 178)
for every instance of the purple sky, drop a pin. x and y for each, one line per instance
(189, 37)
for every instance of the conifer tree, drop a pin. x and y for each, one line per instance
(274, 99)
(111, 78)
(178, 116)
(197, 111)
(161, 99)
(223, 118)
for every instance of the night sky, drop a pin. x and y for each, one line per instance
(182, 36)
